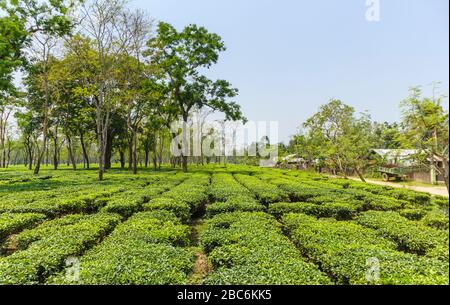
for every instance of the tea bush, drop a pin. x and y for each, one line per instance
(344, 250)
(51, 244)
(409, 235)
(265, 192)
(144, 250)
(249, 225)
(180, 209)
(11, 223)
(249, 248)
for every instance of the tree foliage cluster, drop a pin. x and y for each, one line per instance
(105, 80)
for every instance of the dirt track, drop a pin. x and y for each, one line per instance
(433, 190)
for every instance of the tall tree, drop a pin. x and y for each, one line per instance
(182, 56)
(12, 38)
(7, 104)
(427, 129)
(136, 29)
(101, 23)
(37, 23)
(24, 21)
(389, 135)
(343, 139)
(43, 54)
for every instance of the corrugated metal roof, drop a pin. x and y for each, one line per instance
(396, 153)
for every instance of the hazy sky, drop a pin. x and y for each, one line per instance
(287, 57)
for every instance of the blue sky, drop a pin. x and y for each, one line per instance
(287, 57)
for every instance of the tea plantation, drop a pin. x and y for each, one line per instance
(217, 225)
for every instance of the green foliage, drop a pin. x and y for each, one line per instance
(426, 124)
(181, 57)
(345, 250)
(12, 38)
(265, 192)
(338, 210)
(132, 201)
(126, 204)
(413, 214)
(238, 203)
(141, 251)
(341, 138)
(420, 199)
(180, 209)
(53, 204)
(11, 223)
(243, 243)
(249, 248)
(19, 22)
(442, 202)
(224, 186)
(50, 244)
(231, 196)
(409, 235)
(436, 220)
(193, 191)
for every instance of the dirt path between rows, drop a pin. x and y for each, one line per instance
(433, 190)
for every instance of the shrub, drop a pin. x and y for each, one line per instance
(410, 196)
(126, 204)
(193, 191)
(249, 248)
(141, 251)
(180, 209)
(409, 235)
(338, 210)
(224, 186)
(51, 246)
(240, 203)
(60, 203)
(436, 220)
(266, 193)
(342, 249)
(413, 214)
(383, 203)
(12, 223)
(153, 227)
(281, 208)
(442, 202)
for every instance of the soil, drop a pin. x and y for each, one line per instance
(433, 190)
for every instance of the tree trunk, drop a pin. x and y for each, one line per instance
(122, 159)
(8, 159)
(446, 174)
(71, 153)
(83, 147)
(184, 163)
(55, 153)
(101, 142)
(3, 157)
(108, 151)
(341, 168)
(30, 156)
(130, 154)
(155, 155)
(161, 149)
(185, 146)
(46, 153)
(360, 175)
(45, 127)
(135, 161)
(146, 157)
